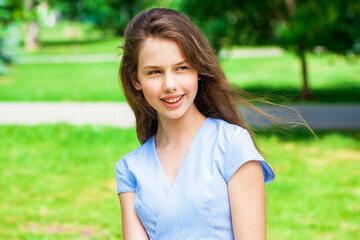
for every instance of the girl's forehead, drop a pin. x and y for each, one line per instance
(155, 42)
(158, 51)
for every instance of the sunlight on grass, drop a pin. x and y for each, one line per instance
(61, 177)
(332, 79)
(58, 182)
(316, 187)
(63, 82)
(324, 71)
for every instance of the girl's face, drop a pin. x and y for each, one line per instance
(169, 83)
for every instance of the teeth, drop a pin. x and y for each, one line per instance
(173, 100)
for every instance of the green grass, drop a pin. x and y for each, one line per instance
(279, 72)
(58, 182)
(69, 47)
(62, 82)
(316, 192)
(332, 79)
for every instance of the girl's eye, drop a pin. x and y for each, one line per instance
(182, 68)
(154, 72)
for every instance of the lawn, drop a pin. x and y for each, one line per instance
(332, 79)
(62, 82)
(58, 182)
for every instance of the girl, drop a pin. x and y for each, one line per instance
(197, 174)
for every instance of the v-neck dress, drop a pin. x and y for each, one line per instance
(196, 205)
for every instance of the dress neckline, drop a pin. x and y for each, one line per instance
(153, 147)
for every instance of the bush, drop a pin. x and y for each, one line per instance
(9, 47)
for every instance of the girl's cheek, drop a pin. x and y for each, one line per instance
(151, 89)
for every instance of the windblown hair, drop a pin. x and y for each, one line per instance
(215, 97)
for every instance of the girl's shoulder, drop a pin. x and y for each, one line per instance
(132, 165)
(140, 153)
(220, 134)
(237, 147)
(224, 128)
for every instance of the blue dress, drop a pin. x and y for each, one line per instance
(196, 205)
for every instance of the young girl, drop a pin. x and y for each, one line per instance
(197, 174)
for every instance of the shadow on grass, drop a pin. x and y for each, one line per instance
(66, 43)
(345, 94)
(71, 42)
(296, 134)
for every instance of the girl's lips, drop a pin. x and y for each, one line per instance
(173, 101)
(172, 97)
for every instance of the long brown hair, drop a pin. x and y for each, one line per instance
(215, 97)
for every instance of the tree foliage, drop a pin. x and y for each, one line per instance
(107, 14)
(10, 13)
(231, 22)
(332, 24)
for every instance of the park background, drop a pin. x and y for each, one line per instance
(58, 180)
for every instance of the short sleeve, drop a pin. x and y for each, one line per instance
(241, 149)
(123, 180)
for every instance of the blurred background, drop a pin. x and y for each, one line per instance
(58, 179)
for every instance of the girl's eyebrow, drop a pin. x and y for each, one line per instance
(180, 63)
(176, 64)
(151, 67)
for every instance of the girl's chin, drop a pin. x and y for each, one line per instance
(172, 117)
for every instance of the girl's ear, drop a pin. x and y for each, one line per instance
(136, 83)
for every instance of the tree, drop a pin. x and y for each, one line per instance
(304, 25)
(32, 28)
(10, 12)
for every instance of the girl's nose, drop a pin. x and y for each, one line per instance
(170, 83)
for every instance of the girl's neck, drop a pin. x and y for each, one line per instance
(172, 131)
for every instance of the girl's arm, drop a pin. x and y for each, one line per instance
(131, 225)
(247, 202)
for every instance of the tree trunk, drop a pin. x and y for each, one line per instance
(305, 90)
(31, 38)
(32, 29)
(290, 6)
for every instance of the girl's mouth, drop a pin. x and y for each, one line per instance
(173, 100)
